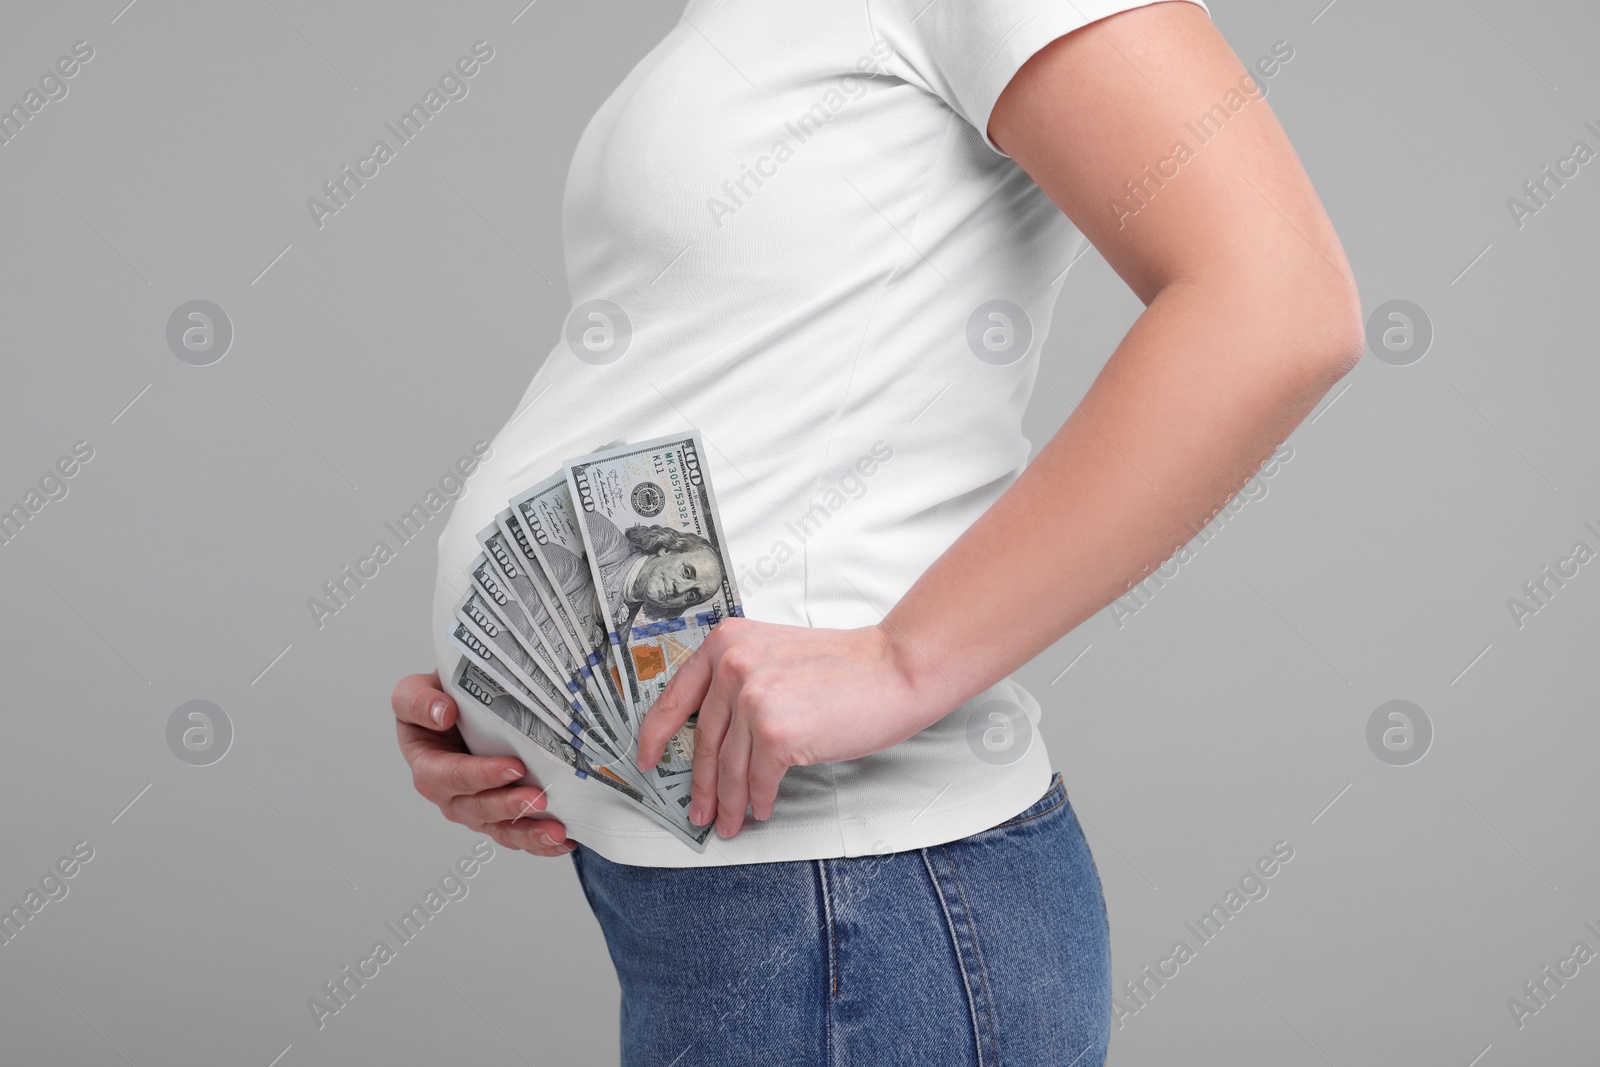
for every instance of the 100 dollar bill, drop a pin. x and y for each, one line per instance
(654, 544)
(555, 542)
(488, 581)
(523, 583)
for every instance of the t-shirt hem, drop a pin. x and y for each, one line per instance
(878, 832)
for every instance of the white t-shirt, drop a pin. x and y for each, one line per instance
(809, 250)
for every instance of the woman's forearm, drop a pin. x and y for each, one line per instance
(1201, 390)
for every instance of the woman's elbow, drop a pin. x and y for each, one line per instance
(1318, 323)
(1344, 333)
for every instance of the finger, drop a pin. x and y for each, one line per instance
(496, 805)
(414, 739)
(418, 744)
(420, 699)
(544, 837)
(547, 838)
(733, 778)
(682, 697)
(710, 728)
(766, 774)
(440, 774)
(549, 832)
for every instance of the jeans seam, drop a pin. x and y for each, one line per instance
(831, 933)
(825, 914)
(961, 962)
(977, 952)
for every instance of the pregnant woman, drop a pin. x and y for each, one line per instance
(830, 236)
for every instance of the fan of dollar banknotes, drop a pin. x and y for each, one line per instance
(593, 586)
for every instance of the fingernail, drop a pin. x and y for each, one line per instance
(546, 839)
(541, 800)
(437, 712)
(510, 774)
(569, 847)
(697, 813)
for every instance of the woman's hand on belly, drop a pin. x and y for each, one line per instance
(771, 697)
(468, 789)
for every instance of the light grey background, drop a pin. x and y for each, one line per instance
(1229, 714)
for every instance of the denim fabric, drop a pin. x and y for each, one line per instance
(990, 950)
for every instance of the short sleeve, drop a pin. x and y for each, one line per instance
(966, 51)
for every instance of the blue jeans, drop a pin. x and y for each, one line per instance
(991, 950)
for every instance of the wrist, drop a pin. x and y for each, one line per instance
(924, 686)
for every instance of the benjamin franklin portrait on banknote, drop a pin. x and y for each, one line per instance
(654, 571)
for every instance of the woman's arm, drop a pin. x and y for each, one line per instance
(1251, 315)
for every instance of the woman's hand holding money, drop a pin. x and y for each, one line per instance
(771, 697)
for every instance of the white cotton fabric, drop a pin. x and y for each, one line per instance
(807, 308)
